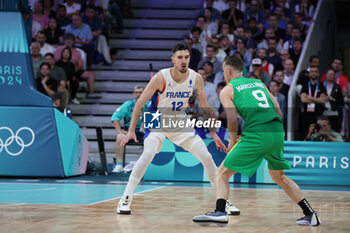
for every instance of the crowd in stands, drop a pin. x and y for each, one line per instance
(269, 37)
(69, 36)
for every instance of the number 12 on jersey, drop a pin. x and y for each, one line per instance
(177, 106)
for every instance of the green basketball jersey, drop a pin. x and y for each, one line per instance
(254, 104)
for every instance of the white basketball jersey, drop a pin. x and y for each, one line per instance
(175, 96)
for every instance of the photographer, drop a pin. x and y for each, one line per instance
(322, 131)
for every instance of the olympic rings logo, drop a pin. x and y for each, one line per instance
(15, 138)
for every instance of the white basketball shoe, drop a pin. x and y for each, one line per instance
(124, 205)
(231, 209)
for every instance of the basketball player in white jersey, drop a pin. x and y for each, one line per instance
(170, 90)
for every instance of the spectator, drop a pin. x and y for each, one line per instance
(284, 55)
(273, 23)
(210, 26)
(296, 51)
(269, 33)
(239, 32)
(83, 37)
(220, 54)
(76, 59)
(281, 18)
(258, 72)
(37, 59)
(214, 100)
(335, 101)
(69, 69)
(45, 47)
(208, 68)
(59, 75)
(62, 18)
(273, 56)
(282, 87)
(216, 15)
(281, 99)
(254, 29)
(124, 112)
(323, 132)
(95, 22)
(38, 15)
(225, 30)
(210, 52)
(314, 61)
(115, 9)
(47, 8)
(205, 34)
(298, 22)
(195, 54)
(54, 34)
(72, 8)
(44, 83)
(224, 43)
(205, 72)
(36, 28)
(289, 29)
(250, 43)
(288, 71)
(313, 97)
(233, 15)
(254, 11)
(306, 9)
(195, 35)
(340, 79)
(296, 33)
(265, 65)
(240, 47)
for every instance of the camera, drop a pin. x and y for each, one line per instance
(318, 127)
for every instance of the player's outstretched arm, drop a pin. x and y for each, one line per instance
(226, 98)
(155, 84)
(207, 111)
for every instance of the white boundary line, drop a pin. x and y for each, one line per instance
(135, 194)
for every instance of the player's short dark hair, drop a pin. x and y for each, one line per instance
(180, 47)
(235, 62)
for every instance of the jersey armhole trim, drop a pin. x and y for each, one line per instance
(164, 85)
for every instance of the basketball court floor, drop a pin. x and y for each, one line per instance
(88, 204)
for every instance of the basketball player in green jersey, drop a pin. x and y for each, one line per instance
(263, 138)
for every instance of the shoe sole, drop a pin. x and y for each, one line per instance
(234, 213)
(126, 212)
(208, 222)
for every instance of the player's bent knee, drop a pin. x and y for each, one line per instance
(224, 172)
